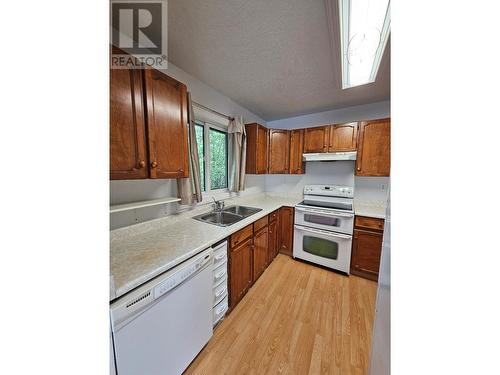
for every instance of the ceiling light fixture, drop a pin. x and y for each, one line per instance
(365, 26)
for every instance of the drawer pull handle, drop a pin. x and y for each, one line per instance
(220, 256)
(220, 292)
(220, 274)
(221, 310)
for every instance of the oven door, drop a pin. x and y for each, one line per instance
(342, 222)
(322, 247)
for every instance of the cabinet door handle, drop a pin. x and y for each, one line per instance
(154, 164)
(142, 164)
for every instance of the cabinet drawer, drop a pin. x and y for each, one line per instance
(241, 235)
(219, 311)
(259, 224)
(220, 274)
(273, 216)
(220, 292)
(369, 223)
(220, 256)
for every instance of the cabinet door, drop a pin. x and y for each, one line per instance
(286, 230)
(261, 157)
(316, 139)
(273, 241)
(279, 148)
(167, 126)
(296, 151)
(256, 149)
(127, 125)
(343, 137)
(240, 271)
(374, 148)
(365, 257)
(260, 252)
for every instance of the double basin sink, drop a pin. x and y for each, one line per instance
(228, 215)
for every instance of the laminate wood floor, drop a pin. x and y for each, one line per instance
(296, 319)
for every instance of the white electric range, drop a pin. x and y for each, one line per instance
(324, 224)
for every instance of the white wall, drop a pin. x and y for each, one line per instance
(337, 116)
(371, 189)
(137, 190)
(331, 173)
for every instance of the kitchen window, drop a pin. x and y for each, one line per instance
(213, 153)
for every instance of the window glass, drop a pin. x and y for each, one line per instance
(324, 220)
(320, 247)
(218, 159)
(200, 140)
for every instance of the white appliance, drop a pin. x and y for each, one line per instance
(220, 301)
(160, 327)
(330, 156)
(324, 224)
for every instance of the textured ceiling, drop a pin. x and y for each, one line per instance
(271, 56)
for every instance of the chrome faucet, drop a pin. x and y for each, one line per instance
(218, 205)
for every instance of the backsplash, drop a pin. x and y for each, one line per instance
(331, 173)
(127, 191)
(367, 189)
(371, 189)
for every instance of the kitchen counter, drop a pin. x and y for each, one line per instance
(370, 209)
(141, 252)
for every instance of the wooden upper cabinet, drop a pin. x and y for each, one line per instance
(343, 137)
(316, 139)
(167, 125)
(128, 151)
(374, 148)
(279, 148)
(256, 149)
(296, 151)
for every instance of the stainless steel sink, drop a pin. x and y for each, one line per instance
(242, 210)
(228, 216)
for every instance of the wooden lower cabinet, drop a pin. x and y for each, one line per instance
(366, 247)
(252, 249)
(286, 230)
(272, 241)
(260, 252)
(240, 271)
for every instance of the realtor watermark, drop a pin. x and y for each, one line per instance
(139, 30)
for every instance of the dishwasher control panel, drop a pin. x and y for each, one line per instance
(178, 278)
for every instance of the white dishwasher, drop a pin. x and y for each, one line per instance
(159, 328)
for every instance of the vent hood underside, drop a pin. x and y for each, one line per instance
(330, 156)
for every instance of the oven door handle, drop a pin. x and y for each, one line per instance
(319, 231)
(324, 212)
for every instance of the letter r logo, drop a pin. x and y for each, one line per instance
(137, 26)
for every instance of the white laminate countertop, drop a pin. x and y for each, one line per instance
(141, 252)
(370, 209)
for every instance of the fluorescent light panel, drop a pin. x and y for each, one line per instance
(364, 28)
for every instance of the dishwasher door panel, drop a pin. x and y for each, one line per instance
(167, 336)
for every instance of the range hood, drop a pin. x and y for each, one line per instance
(330, 156)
